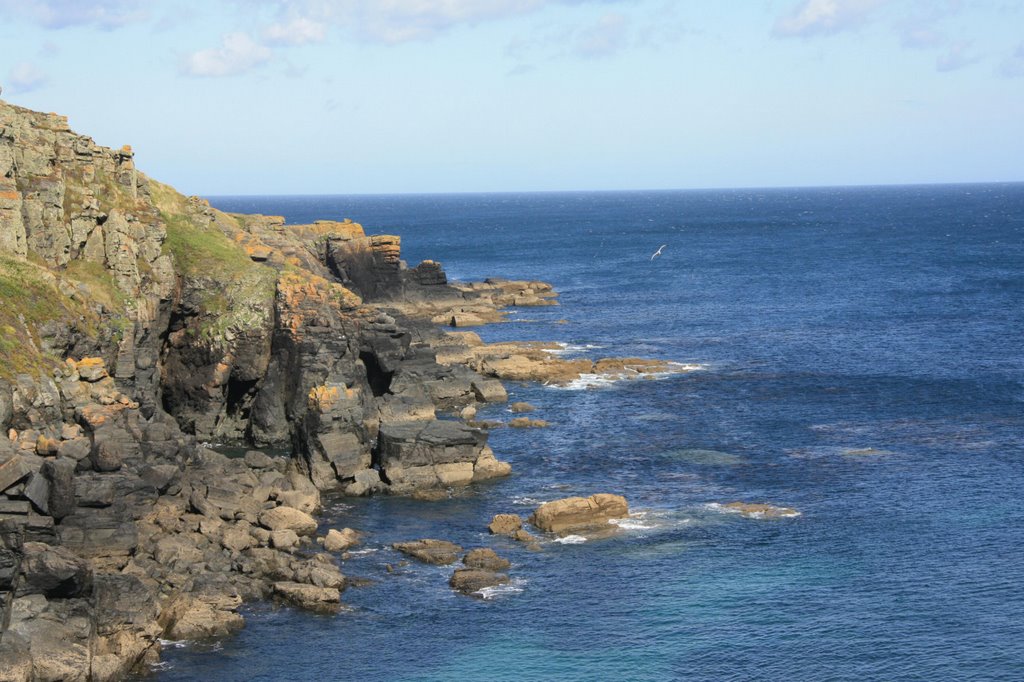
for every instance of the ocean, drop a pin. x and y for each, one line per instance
(860, 360)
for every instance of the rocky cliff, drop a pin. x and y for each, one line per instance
(137, 326)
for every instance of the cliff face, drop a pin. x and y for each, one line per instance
(136, 323)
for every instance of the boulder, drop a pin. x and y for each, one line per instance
(366, 482)
(54, 572)
(339, 541)
(307, 501)
(283, 539)
(485, 559)
(195, 617)
(439, 552)
(471, 580)
(520, 407)
(505, 524)
(571, 514)
(286, 518)
(309, 597)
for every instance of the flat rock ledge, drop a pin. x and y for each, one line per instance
(429, 551)
(574, 514)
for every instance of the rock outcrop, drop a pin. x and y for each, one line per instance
(576, 514)
(137, 324)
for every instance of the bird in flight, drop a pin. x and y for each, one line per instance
(658, 252)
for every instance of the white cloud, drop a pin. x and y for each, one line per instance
(604, 38)
(297, 31)
(957, 56)
(237, 54)
(1013, 66)
(107, 14)
(399, 21)
(825, 17)
(25, 77)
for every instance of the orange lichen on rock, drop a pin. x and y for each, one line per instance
(323, 398)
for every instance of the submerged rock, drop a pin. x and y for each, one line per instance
(761, 511)
(572, 514)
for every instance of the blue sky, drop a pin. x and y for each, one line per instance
(367, 96)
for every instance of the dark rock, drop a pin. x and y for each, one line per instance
(60, 473)
(54, 572)
(38, 492)
(471, 580)
(12, 470)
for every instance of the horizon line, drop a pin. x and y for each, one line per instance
(624, 191)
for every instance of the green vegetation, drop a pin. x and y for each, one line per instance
(246, 290)
(28, 298)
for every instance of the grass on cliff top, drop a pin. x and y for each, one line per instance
(198, 250)
(28, 298)
(205, 251)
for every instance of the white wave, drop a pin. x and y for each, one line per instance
(776, 512)
(591, 381)
(364, 552)
(160, 666)
(173, 644)
(571, 540)
(513, 587)
(586, 381)
(630, 523)
(568, 348)
(526, 501)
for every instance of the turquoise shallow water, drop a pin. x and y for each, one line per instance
(863, 364)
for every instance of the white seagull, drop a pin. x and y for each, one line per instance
(658, 252)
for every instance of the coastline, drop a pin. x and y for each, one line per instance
(148, 323)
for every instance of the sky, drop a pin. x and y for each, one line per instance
(397, 96)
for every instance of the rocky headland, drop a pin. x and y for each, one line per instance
(138, 326)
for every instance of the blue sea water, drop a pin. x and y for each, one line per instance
(862, 363)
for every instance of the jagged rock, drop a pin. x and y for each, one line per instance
(505, 524)
(190, 617)
(485, 559)
(577, 513)
(259, 460)
(440, 552)
(471, 580)
(339, 541)
(366, 482)
(61, 474)
(16, 657)
(53, 572)
(286, 518)
(309, 597)
(284, 539)
(307, 501)
(12, 470)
